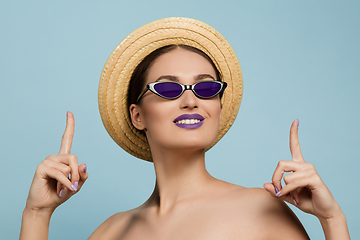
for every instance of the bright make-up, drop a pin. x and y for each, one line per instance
(189, 121)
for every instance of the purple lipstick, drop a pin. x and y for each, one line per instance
(189, 121)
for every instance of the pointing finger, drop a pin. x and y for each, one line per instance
(294, 142)
(67, 138)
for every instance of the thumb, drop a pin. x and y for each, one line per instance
(270, 188)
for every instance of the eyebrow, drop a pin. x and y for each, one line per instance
(204, 76)
(168, 77)
(176, 79)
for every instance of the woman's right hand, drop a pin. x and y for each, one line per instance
(52, 184)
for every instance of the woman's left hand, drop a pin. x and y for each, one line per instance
(304, 187)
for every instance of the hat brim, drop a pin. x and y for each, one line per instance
(117, 72)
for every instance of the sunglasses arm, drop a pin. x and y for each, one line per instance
(142, 94)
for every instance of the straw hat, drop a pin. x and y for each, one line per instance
(118, 69)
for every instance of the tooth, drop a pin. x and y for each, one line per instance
(188, 121)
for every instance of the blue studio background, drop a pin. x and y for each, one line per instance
(300, 59)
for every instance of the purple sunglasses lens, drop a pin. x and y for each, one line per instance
(168, 89)
(207, 89)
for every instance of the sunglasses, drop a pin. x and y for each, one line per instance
(172, 90)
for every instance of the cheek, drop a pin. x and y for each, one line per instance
(159, 125)
(216, 111)
(155, 115)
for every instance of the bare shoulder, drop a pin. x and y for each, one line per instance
(269, 214)
(113, 227)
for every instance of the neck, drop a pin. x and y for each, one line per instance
(179, 176)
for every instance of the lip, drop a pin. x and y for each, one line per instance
(189, 116)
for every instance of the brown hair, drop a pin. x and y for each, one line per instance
(137, 81)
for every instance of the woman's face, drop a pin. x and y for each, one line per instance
(163, 120)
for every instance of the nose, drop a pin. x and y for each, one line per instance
(188, 100)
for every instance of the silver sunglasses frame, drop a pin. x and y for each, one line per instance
(151, 87)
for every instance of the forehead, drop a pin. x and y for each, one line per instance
(182, 63)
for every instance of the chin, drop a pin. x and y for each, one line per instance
(184, 141)
(192, 144)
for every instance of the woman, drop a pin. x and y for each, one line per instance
(165, 59)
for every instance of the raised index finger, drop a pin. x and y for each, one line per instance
(68, 134)
(294, 142)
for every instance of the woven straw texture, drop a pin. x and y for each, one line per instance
(116, 74)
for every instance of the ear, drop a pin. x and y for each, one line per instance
(136, 117)
(221, 110)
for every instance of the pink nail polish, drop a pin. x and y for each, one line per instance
(61, 192)
(295, 203)
(297, 122)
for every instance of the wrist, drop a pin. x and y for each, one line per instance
(41, 213)
(335, 216)
(35, 224)
(335, 227)
(333, 221)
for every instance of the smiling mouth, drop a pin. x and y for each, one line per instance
(189, 121)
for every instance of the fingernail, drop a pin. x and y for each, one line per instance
(295, 203)
(75, 186)
(61, 192)
(297, 122)
(278, 193)
(85, 169)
